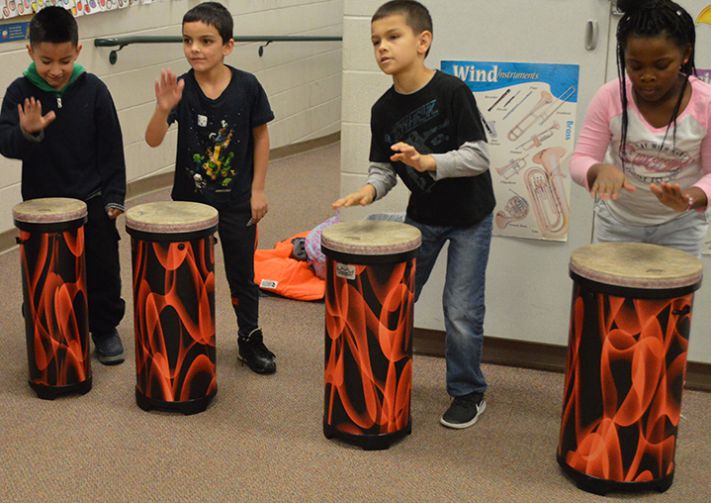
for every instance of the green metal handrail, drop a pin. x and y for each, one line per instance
(122, 42)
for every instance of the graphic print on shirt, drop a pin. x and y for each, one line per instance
(413, 129)
(212, 170)
(653, 162)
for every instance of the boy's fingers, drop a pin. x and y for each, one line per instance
(50, 117)
(400, 146)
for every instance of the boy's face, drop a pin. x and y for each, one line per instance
(203, 46)
(54, 61)
(396, 46)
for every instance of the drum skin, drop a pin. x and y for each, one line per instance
(625, 370)
(368, 335)
(51, 239)
(174, 308)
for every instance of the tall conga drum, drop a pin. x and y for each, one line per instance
(172, 249)
(626, 365)
(54, 294)
(370, 292)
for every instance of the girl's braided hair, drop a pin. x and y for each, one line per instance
(652, 18)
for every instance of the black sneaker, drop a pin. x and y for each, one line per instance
(108, 348)
(255, 354)
(464, 411)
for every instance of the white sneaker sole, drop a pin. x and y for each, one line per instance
(460, 426)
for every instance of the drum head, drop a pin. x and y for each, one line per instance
(371, 237)
(171, 217)
(49, 210)
(636, 265)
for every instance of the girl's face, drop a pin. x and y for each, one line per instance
(653, 64)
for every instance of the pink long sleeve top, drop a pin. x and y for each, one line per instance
(686, 160)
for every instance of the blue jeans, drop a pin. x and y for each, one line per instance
(686, 232)
(462, 299)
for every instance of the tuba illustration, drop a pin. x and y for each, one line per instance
(547, 192)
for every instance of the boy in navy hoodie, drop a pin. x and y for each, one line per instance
(62, 123)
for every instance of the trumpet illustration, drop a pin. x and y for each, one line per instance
(545, 186)
(538, 139)
(512, 168)
(516, 209)
(534, 115)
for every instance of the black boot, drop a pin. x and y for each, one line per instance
(255, 354)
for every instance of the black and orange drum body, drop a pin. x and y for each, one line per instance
(626, 365)
(370, 293)
(54, 294)
(172, 248)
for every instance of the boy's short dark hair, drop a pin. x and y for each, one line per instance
(416, 15)
(55, 25)
(213, 14)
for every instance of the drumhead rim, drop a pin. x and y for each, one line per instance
(21, 212)
(207, 222)
(329, 242)
(655, 279)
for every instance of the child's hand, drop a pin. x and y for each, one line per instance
(31, 119)
(259, 205)
(113, 213)
(669, 194)
(169, 91)
(410, 156)
(606, 181)
(363, 197)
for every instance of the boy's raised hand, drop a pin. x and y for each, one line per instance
(363, 197)
(607, 180)
(407, 154)
(169, 90)
(31, 119)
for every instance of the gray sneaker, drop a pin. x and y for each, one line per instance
(108, 348)
(464, 411)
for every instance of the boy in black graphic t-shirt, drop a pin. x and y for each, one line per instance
(223, 151)
(427, 131)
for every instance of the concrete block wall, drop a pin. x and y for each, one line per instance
(302, 79)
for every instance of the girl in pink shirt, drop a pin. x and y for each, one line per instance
(644, 151)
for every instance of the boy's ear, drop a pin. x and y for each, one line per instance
(29, 51)
(228, 47)
(79, 47)
(424, 41)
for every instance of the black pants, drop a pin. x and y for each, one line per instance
(103, 271)
(238, 244)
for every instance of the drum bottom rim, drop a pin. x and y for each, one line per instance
(367, 442)
(50, 392)
(601, 487)
(187, 407)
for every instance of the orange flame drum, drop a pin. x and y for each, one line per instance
(173, 259)
(368, 345)
(629, 334)
(54, 291)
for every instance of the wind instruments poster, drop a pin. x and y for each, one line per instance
(529, 113)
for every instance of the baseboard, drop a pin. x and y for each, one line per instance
(536, 355)
(160, 181)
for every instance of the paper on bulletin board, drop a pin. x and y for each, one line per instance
(14, 8)
(529, 111)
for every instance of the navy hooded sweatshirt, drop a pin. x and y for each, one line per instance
(80, 154)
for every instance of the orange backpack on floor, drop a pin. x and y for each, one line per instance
(276, 271)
